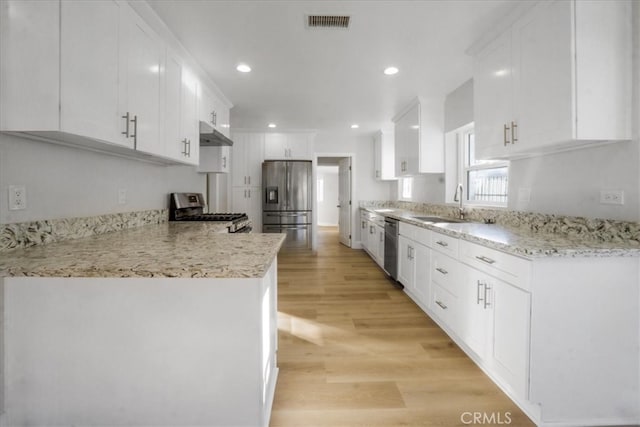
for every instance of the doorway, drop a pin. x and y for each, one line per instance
(335, 193)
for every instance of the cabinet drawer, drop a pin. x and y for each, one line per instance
(445, 271)
(445, 244)
(415, 233)
(443, 305)
(510, 268)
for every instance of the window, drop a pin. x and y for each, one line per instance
(486, 182)
(406, 188)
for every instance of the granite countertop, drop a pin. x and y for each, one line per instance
(188, 250)
(521, 241)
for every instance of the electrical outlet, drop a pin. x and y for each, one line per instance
(17, 197)
(612, 197)
(122, 196)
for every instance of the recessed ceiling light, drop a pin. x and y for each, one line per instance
(389, 71)
(243, 68)
(355, 126)
(271, 125)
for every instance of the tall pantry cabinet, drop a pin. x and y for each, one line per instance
(247, 155)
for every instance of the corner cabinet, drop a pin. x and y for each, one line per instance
(384, 156)
(419, 138)
(559, 77)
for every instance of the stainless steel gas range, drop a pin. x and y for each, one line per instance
(190, 207)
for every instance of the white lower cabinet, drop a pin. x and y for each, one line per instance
(413, 263)
(372, 236)
(557, 334)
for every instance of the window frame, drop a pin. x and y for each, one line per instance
(463, 166)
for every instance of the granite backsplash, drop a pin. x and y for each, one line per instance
(26, 234)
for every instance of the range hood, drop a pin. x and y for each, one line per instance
(210, 137)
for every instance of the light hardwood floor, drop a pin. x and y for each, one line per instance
(356, 351)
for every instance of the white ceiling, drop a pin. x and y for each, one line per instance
(327, 79)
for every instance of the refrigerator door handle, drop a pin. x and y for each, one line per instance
(287, 185)
(287, 214)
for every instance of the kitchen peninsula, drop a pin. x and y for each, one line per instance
(167, 324)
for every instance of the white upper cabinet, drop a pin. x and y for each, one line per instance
(419, 139)
(180, 119)
(95, 74)
(89, 61)
(141, 59)
(559, 77)
(247, 155)
(289, 146)
(213, 110)
(384, 156)
(215, 159)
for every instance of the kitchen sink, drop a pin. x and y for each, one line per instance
(436, 219)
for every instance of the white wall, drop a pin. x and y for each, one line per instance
(64, 182)
(328, 200)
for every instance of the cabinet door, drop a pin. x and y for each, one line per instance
(492, 98)
(239, 159)
(543, 50)
(172, 101)
(206, 105)
(511, 326)
(140, 82)
(380, 243)
(299, 145)
(407, 142)
(189, 127)
(275, 146)
(475, 316)
(254, 155)
(254, 208)
(214, 159)
(239, 199)
(29, 95)
(377, 155)
(89, 70)
(422, 281)
(405, 262)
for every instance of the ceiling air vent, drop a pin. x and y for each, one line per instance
(328, 21)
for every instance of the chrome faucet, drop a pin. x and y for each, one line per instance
(458, 198)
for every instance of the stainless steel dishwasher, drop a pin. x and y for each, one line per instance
(391, 248)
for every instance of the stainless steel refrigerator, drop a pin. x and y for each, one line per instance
(286, 201)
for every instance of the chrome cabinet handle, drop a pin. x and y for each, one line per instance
(487, 303)
(184, 149)
(245, 180)
(442, 270)
(224, 162)
(377, 174)
(444, 307)
(363, 224)
(441, 243)
(513, 132)
(381, 237)
(135, 132)
(478, 299)
(189, 148)
(126, 121)
(506, 141)
(249, 191)
(485, 259)
(215, 119)
(249, 179)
